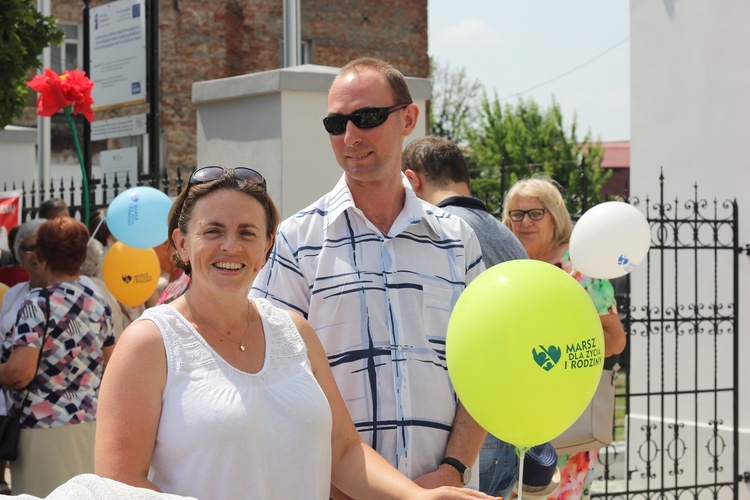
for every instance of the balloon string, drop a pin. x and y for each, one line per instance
(520, 472)
(97, 228)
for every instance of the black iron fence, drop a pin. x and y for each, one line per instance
(102, 191)
(681, 393)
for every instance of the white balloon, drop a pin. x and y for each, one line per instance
(609, 240)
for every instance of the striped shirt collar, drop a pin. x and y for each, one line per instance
(414, 210)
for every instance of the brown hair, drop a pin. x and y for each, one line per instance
(182, 208)
(98, 226)
(438, 159)
(393, 77)
(62, 244)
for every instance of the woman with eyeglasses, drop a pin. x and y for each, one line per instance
(24, 249)
(24, 246)
(535, 211)
(53, 361)
(219, 396)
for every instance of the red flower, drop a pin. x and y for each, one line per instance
(60, 91)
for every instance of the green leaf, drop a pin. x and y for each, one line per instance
(24, 33)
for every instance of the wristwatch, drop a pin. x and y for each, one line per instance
(461, 468)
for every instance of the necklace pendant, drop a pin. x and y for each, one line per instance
(242, 347)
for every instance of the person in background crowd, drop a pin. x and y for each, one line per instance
(13, 273)
(52, 209)
(101, 233)
(377, 272)
(179, 281)
(536, 213)
(92, 268)
(23, 245)
(60, 358)
(6, 257)
(264, 416)
(437, 171)
(171, 275)
(99, 230)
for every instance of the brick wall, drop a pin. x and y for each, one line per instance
(203, 40)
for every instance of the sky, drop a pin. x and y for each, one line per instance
(576, 50)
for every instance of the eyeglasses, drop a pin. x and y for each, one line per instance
(214, 173)
(28, 248)
(361, 118)
(534, 214)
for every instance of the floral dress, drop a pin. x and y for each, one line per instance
(577, 471)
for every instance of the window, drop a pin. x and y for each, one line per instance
(305, 52)
(66, 56)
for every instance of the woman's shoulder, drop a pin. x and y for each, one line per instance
(162, 314)
(286, 327)
(141, 335)
(15, 292)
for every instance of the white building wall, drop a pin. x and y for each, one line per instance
(690, 103)
(17, 156)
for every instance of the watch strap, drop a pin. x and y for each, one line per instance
(460, 467)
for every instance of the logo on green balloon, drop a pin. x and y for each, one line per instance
(548, 357)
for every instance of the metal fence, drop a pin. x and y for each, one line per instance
(681, 392)
(102, 191)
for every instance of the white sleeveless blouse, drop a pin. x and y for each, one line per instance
(225, 433)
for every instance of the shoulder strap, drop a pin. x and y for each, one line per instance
(41, 348)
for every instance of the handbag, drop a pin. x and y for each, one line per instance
(593, 429)
(10, 425)
(10, 429)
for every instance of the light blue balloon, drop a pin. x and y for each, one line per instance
(138, 217)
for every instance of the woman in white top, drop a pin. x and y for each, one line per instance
(219, 396)
(24, 249)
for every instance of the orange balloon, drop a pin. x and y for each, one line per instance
(131, 274)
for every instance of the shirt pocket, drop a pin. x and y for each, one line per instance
(437, 304)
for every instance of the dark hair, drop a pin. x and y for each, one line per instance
(393, 77)
(438, 159)
(11, 239)
(48, 207)
(102, 234)
(62, 244)
(182, 208)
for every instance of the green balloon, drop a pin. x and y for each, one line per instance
(525, 351)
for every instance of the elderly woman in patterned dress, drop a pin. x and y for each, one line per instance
(59, 358)
(535, 211)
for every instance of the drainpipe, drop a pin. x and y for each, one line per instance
(292, 35)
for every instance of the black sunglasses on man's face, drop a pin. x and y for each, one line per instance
(361, 118)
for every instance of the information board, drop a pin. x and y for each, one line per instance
(117, 44)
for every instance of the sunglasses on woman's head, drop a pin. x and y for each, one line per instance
(208, 174)
(361, 118)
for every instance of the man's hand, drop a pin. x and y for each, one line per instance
(445, 475)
